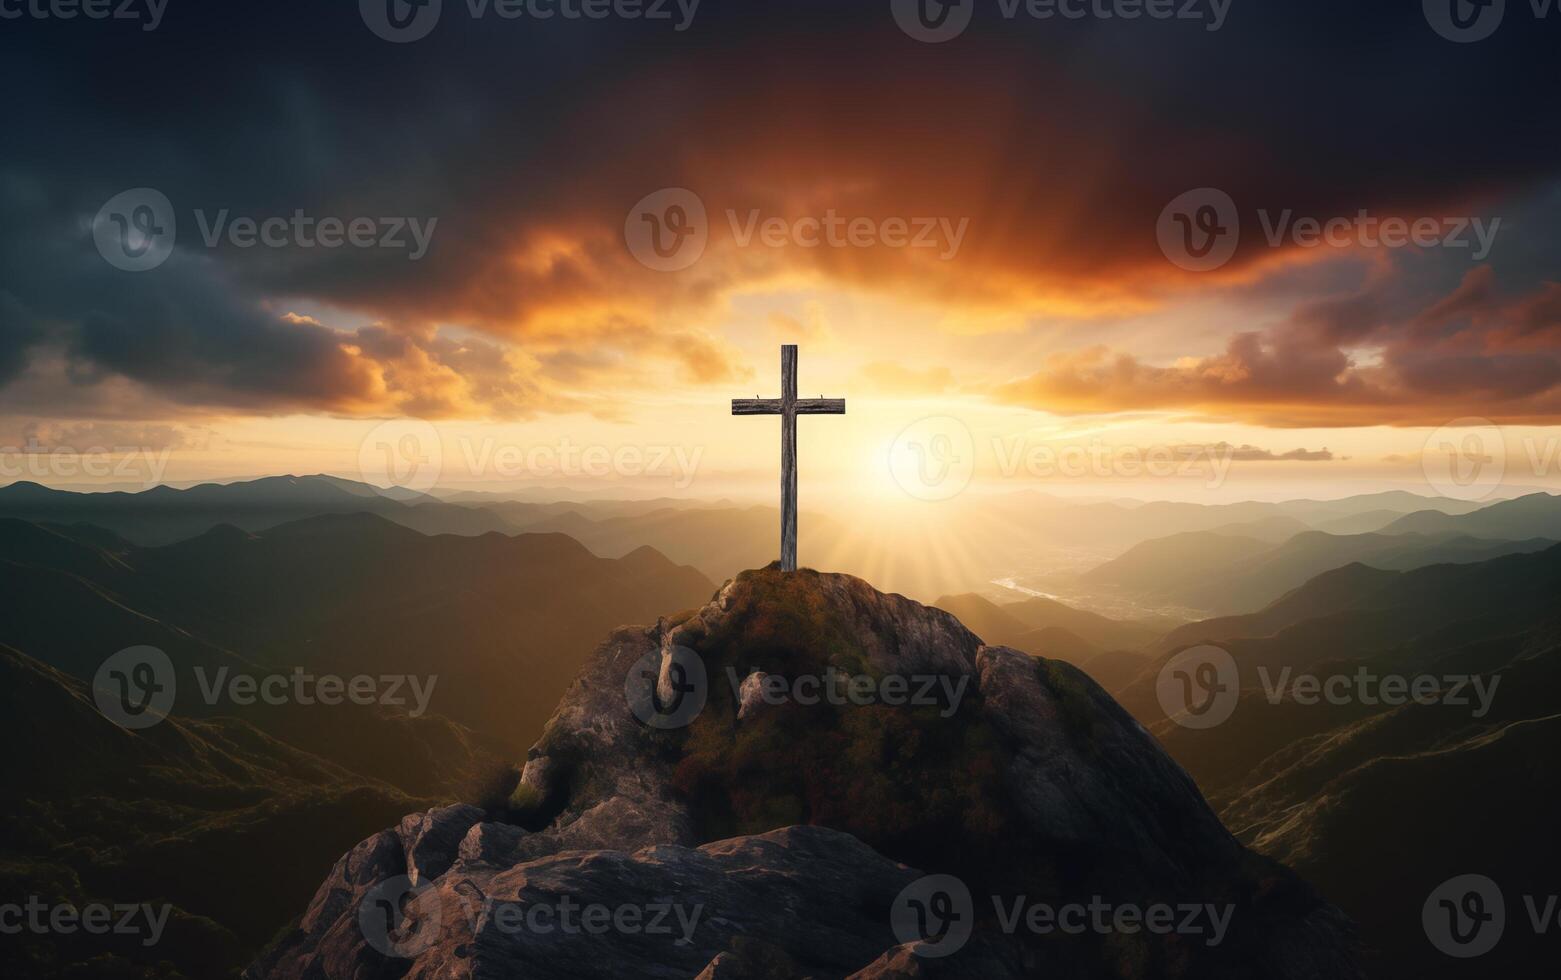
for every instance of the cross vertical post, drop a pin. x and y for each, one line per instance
(789, 457)
(788, 406)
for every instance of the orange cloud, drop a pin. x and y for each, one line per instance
(1469, 353)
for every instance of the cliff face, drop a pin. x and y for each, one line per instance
(807, 777)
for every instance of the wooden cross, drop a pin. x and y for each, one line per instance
(788, 406)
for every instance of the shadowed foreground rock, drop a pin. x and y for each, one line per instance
(792, 840)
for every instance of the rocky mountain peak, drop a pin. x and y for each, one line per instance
(887, 753)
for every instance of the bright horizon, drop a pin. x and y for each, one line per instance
(693, 448)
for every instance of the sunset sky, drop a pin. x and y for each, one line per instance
(1030, 165)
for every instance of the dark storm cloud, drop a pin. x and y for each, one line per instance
(18, 332)
(1061, 140)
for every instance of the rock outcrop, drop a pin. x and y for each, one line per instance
(842, 783)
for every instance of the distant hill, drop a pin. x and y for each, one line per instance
(1275, 529)
(1224, 574)
(1041, 541)
(1368, 522)
(1108, 650)
(121, 606)
(985, 618)
(719, 541)
(1407, 602)
(91, 812)
(502, 621)
(268, 795)
(1163, 566)
(1375, 802)
(163, 515)
(1331, 806)
(1484, 613)
(1012, 620)
(1039, 612)
(525, 512)
(1537, 515)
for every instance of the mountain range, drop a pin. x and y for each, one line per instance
(1375, 804)
(502, 620)
(979, 540)
(1533, 515)
(494, 627)
(1378, 800)
(213, 819)
(1110, 651)
(1222, 574)
(163, 515)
